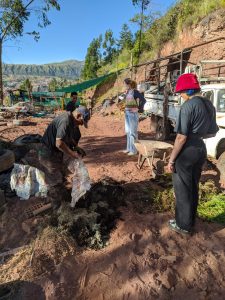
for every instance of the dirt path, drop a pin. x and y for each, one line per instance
(144, 259)
(104, 141)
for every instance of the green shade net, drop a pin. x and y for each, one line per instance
(48, 99)
(53, 99)
(51, 103)
(83, 85)
(48, 94)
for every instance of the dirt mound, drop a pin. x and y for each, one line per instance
(94, 216)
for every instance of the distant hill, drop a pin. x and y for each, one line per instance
(65, 69)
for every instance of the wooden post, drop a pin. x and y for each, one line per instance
(1, 74)
(62, 103)
(117, 79)
(131, 65)
(165, 111)
(219, 71)
(145, 72)
(158, 77)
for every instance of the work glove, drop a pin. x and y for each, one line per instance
(80, 151)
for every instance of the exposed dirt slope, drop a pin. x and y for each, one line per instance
(209, 28)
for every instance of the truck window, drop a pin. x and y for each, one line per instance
(209, 95)
(221, 101)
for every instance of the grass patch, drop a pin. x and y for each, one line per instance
(213, 210)
(207, 191)
(211, 201)
(163, 201)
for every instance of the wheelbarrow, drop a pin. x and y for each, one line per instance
(156, 154)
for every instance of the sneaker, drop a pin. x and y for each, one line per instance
(131, 154)
(173, 225)
(125, 151)
(173, 221)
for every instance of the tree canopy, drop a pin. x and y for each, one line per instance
(141, 3)
(27, 86)
(109, 46)
(14, 14)
(92, 60)
(126, 38)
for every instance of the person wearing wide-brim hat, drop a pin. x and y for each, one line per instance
(196, 120)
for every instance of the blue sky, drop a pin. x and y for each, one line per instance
(72, 30)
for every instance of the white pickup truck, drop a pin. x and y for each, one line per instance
(214, 92)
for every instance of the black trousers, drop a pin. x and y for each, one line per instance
(188, 168)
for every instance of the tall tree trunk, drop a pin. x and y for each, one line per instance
(141, 25)
(1, 75)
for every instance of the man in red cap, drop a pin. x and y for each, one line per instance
(196, 120)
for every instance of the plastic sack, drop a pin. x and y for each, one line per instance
(28, 181)
(81, 180)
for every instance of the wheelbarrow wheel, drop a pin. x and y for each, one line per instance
(161, 134)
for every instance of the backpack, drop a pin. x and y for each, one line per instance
(142, 101)
(211, 111)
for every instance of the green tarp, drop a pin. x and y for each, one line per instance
(83, 85)
(48, 94)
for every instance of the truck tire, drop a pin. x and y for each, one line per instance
(7, 159)
(220, 148)
(27, 139)
(153, 123)
(221, 167)
(162, 135)
(8, 134)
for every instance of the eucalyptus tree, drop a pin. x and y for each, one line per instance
(143, 4)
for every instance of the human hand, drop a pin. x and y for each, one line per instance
(76, 155)
(171, 167)
(80, 151)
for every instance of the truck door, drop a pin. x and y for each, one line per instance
(210, 94)
(220, 107)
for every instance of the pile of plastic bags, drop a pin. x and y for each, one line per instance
(28, 181)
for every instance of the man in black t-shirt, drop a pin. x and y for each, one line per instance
(61, 135)
(72, 105)
(63, 132)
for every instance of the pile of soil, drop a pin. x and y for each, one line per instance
(19, 290)
(94, 216)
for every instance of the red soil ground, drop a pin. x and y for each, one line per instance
(144, 259)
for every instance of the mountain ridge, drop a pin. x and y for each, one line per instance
(65, 69)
